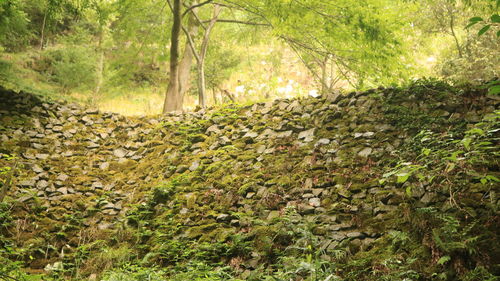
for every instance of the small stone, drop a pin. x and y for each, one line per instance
(27, 183)
(57, 128)
(62, 177)
(194, 166)
(273, 215)
(307, 134)
(223, 218)
(365, 152)
(92, 145)
(37, 169)
(42, 184)
(97, 185)
(42, 156)
(355, 234)
(104, 166)
(315, 202)
(63, 190)
(119, 152)
(322, 142)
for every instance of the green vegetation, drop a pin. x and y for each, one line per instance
(113, 53)
(299, 140)
(423, 209)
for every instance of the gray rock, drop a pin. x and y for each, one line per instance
(322, 142)
(57, 128)
(307, 135)
(119, 152)
(97, 185)
(355, 234)
(194, 165)
(251, 134)
(365, 152)
(37, 169)
(27, 183)
(42, 184)
(213, 129)
(62, 177)
(42, 156)
(63, 190)
(315, 202)
(223, 218)
(104, 166)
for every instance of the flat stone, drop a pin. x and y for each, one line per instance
(251, 135)
(365, 152)
(42, 184)
(306, 134)
(57, 128)
(37, 169)
(194, 166)
(104, 166)
(119, 152)
(322, 142)
(63, 190)
(355, 234)
(62, 177)
(42, 156)
(93, 145)
(27, 183)
(315, 202)
(223, 218)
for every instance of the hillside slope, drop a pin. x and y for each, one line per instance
(386, 184)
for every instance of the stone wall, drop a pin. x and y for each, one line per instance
(218, 172)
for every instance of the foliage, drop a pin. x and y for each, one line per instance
(71, 68)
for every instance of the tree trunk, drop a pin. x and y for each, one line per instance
(42, 33)
(453, 33)
(172, 97)
(100, 64)
(214, 95)
(201, 63)
(324, 75)
(187, 61)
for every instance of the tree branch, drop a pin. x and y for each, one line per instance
(195, 6)
(191, 44)
(241, 22)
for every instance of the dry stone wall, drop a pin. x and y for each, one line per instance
(218, 171)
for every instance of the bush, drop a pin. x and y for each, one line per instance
(71, 67)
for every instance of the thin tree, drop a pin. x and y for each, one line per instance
(172, 98)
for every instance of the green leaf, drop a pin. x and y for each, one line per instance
(443, 260)
(466, 142)
(408, 191)
(426, 151)
(484, 181)
(402, 177)
(476, 19)
(471, 24)
(495, 90)
(495, 18)
(484, 29)
(492, 178)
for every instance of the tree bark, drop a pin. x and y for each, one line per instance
(201, 63)
(100, 64)
(42, 33)
(172, 97)
(187, 61)
(452, 29)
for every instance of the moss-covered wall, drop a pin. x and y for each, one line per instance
(167, 186)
